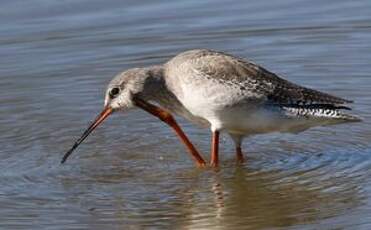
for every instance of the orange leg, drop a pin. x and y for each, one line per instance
(239, 155)
(166, 117)
(215, 149)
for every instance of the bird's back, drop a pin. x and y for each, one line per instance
(229, 80)
(243, 98)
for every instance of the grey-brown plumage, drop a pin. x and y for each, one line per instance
(231, 70)
(253, 82)
(227, 93)
(210, 88)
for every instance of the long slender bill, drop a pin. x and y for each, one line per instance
(100, 118)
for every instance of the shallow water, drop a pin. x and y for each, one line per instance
(58, 56)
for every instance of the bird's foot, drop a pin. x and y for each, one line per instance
(240, 160)
(214, 164)
(201, 165)
(239, 156)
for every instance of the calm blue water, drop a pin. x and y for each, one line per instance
(132, 173)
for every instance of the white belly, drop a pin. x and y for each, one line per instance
(244, 119)
(214, 103)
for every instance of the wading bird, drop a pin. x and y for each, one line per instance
(222, 92)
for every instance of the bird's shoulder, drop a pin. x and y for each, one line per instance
(234, 71)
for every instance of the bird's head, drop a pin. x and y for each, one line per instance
(125, 86)
(122, 93)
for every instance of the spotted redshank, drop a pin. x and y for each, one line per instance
(222, 92)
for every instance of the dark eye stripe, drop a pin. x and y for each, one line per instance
(114, 92)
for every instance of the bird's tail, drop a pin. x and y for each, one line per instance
(329, 112)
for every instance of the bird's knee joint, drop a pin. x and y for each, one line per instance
(167, 117)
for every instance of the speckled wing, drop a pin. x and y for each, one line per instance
(251, 78)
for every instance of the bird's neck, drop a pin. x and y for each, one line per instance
(157, 90)
(154, 84)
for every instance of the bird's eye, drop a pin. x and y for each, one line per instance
(114, 92)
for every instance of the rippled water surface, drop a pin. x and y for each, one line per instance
(58, 56)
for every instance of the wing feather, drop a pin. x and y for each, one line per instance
(251, 77)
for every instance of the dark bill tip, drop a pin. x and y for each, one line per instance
(100, 118)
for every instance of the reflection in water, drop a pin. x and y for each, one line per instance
(234, 197)
(217, 188)
(257, 200)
